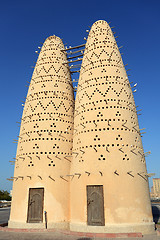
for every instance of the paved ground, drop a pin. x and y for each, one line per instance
(4, 215)
(58, 236)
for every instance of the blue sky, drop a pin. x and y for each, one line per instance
(25, 24)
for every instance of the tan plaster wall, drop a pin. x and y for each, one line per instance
(107, 146)
(45, 143)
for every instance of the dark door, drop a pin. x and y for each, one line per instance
(35, 205)
(95, 205)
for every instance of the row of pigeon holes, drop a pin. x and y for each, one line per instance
(40, 131)
(81, 88)
(106, 107)
(53, 55)
(122, 157)
(106, 89)
(60, 115)
(104, 41)
(109, 55)
(106, 102)
(105, 120)
(95, 45)
(56, 46)
(52, 49)
(46, 130)
(48, 119)
(108, 78)
(119, 62)
(57, 58)
(108, 145)
(66, 82)
(54, 93)
(37, 153)
(93, 33)
(65, 70)
(50, 75)
(50, 44)
(104, 158)
(106, 129)
(39, 98)
(87, 52)
(53, 43)
(46, 139)
(55, 107)
(101, 31)
(109, 120)
(100, 66)
(92, 42)
(103, 94)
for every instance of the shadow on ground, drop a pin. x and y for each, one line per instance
(84, 239)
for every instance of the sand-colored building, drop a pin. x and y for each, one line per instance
(155, 190)
(110, 185)
(45, 144)
(101, 185)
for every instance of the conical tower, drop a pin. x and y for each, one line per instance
(109, 188)
(41, 182)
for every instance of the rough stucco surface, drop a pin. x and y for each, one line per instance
(107, 147)
(45, 141)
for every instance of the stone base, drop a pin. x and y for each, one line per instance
(144, 228)
(24, 225)
(60, 225)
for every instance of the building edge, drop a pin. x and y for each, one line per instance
(144, 228)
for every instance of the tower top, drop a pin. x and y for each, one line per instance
(54, 37)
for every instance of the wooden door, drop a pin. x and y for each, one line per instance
(35, 205)
(95, 205)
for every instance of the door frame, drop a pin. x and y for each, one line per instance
(103, 214)
(29, 202)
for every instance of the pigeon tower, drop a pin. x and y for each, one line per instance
(109, 189)
(41, 185)
(90, 177)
